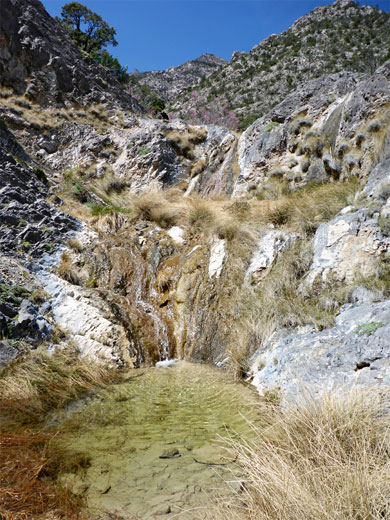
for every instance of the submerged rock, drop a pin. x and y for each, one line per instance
(170, 453)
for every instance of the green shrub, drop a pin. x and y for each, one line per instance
(143, 150)
(98, 209)
(271, 125)
(3, 125)
(368, 328)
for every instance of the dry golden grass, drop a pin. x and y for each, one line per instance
(323, 460)
(42, 382)
(185, 141)
(305, 209)
(155, 206)
(67, 270)
(75, 244)
(51, 118)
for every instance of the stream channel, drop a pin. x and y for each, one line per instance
(155, 442)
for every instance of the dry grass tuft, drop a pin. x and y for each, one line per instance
(323, 460)
(184, 142)
(200, 216)
(160, 207)
(28, 468)
(67, 270)
(283, 302)
(42, 382)
(305, 209)
(75, 244)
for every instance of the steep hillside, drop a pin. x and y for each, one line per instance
(40, 61)
(342, 36)
(167, 84)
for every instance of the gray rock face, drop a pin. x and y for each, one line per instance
(39, 58)
(268, 249)
(354, 353)
(378, 182)
(157, 155)
(326, 130)
(7, 353)
(27, 222)
(346, 246)
(30, 324)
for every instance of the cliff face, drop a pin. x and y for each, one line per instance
(255, 251)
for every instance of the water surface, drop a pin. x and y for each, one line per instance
(182, 414)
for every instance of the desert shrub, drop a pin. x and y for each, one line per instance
(75, 244)
(143, 150)
(153, 206)
(368, 328)
(360, 138)
(39, 296)
(199, 216)
(3, 125)
(296, 126)
(40, 174)
(99, 209)
(342, 149)
(13, 293)
(80, 192)
(270, 126)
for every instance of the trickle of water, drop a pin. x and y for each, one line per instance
(155, 442)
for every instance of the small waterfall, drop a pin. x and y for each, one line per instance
(128, 274)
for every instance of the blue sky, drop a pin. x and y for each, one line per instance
(157, 34)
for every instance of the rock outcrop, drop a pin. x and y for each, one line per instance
(329, 129)
(355, 353)
(196, 243)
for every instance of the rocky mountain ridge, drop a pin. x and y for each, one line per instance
(40, 61)
(167, 84)
(341, 37)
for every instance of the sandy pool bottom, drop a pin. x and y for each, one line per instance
(156, 442)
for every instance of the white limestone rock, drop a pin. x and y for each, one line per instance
(346, 246)
(177, 235)
(268, 248)
(218, 254)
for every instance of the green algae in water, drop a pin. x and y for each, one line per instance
(155, 442)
